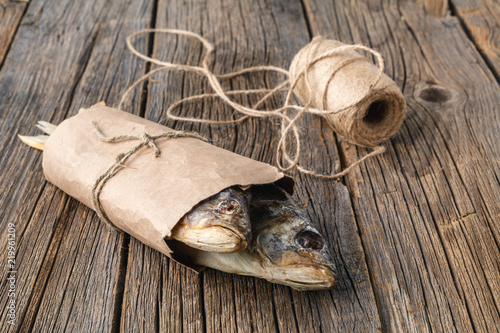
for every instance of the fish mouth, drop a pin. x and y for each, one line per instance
(237, 240)
(216, 238)
(310, 286)
(310, 277)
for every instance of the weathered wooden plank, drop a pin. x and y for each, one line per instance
(173, 303)
(247, 33)
(482, 20)
(428, 209)
(79, 288)
(11, 13)
(67, 261)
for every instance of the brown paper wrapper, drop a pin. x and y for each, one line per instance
(150, 195)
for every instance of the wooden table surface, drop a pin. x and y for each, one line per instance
(415, 232)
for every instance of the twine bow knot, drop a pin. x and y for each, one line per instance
(146, 140)
(149, 140)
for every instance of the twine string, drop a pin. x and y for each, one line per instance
(285, 159)
(145, 140)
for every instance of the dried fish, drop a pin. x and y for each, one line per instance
(275, 238)
(285, 246)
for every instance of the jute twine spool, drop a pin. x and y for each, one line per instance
(372, 106)
(331, 79)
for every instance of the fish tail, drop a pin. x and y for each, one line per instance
(38, 141)
(46, 127)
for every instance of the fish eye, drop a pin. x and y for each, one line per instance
(229, 206)
(309, 240)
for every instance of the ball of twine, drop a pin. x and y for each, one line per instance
(362, 104)
(330, 79)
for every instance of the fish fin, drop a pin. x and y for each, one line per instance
(46, 127)
(37, 142)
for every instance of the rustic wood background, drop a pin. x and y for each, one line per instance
(415, 232)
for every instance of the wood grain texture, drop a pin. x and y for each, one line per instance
(481, 19)
(10, 16)
(246, 34)
(64, 56)
(436, 8)
(427, 209)
(414, 232)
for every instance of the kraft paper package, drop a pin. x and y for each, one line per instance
(149, 195)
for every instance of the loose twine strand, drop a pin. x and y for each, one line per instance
(284, 159)
(146, 140)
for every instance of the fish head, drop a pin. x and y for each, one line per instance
(219, 223)
(294, 253)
